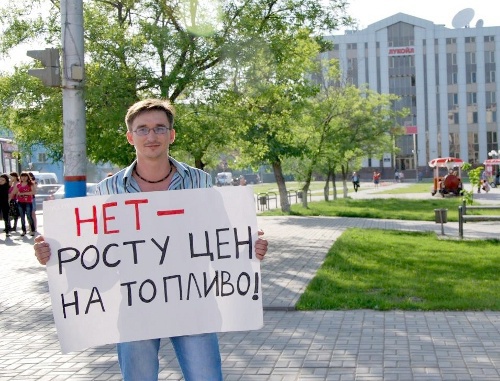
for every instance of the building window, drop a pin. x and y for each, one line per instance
(469, 40)
(451, 41)
(471, 98)
(454, 78)
(473, 147)
(455, 99)
(454, 141)
(472, 117)
(492, 76)
(42, 157)
(489, 38)
(456, 120)
(491, 141)
(470, 57)
(489, 57)
(453, 58)
(472, 77)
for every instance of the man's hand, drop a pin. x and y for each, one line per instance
(260, 246)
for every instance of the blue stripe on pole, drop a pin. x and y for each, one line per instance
(75, 189)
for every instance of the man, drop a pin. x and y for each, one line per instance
(482, 181)
(376, 178)
(355, 181)
(150, 130)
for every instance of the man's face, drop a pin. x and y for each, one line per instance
(152, 145)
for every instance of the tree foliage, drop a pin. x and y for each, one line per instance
(183, 50)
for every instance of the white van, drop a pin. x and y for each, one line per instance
(45, 177)
(224, 178)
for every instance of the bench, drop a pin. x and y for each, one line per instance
(464, 217)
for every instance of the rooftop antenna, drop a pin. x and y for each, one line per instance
(479, 23)
(463, 18)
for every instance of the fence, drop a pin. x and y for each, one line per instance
(463, 217)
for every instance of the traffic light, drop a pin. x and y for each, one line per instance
(50, 74)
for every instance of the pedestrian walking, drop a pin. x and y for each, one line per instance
(355, 181)
(33, 207)
(4, 202)
(150, 129)
(13, 207)
(23, 192)
(376, 178)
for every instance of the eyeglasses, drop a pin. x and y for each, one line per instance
(159, 130)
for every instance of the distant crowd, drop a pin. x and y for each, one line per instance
(18, 202)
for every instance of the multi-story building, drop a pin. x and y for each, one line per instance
(445, 76)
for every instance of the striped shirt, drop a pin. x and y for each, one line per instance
(186, 177)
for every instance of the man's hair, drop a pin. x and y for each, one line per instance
(150, 105)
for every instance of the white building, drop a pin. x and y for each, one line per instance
(446, 77)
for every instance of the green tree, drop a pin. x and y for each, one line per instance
(181, 50)
(347, 124)
(274, 96)
(475, 181)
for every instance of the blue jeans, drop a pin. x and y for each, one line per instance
(198, 357)
(25, 210)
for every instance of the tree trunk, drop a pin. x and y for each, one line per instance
(305, 188)
(344, 180)
(334, 181)
(199, 164)
(326, 189)
(280, 180)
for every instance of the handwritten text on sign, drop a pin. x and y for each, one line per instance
(147, 265)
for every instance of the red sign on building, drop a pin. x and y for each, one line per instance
(410, 130)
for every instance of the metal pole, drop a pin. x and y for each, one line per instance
(74, 138)
(415, 156)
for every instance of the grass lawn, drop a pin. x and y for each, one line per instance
(391, 208)
(386, 270)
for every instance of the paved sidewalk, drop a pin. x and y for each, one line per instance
(321, 345)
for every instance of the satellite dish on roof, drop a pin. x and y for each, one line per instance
(479, 23)
(463, 18)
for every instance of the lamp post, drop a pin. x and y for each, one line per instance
(415, 157)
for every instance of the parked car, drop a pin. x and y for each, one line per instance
(224, 178)
(45, 177)
(60, 192)
(44, 192)
(252, 178)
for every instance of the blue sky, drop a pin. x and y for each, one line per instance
(365, 11)
(437, 11)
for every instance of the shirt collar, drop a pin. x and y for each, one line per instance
(127, 175)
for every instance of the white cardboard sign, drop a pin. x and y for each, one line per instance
(148, 265)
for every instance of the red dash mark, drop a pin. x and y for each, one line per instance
(169, 212)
